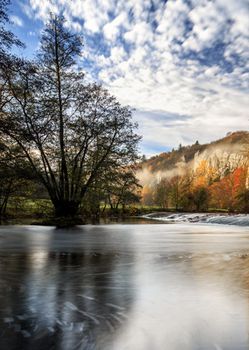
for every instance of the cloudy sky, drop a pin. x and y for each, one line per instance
(182, 64)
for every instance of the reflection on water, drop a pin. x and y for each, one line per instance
(117, 287)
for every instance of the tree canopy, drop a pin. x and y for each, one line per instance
(69, 130)
(7, 38)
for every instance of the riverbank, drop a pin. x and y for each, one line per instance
(151, 217)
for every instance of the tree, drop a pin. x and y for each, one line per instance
(122, 188)
(15, 174)
(114, 189)
(161, 193)
(69, 130)
(226, 192)
(186, 184)
(6, 180)
(174, 191)
(243, 201)
(200, 198)
(7, 38)
(144, 158)
(147, 195)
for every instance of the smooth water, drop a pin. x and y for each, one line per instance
(124, 287)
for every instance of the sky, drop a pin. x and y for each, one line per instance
(183, 65)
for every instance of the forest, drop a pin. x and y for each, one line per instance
(210, 177)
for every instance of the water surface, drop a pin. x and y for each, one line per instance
(124, 287)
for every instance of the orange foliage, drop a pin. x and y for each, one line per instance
(184, 191)
(203, 175)
(224, 193)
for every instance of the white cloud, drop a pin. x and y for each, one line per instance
(112, 29)
(139, 34)
(147, 62)
(16, 21)
(41, 9)
(208, 23)
(118, 54)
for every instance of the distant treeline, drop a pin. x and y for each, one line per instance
(201, 190)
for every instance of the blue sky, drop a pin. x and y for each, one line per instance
(182, 64)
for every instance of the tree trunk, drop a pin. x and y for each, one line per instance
(66, 209)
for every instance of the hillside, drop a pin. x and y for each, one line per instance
(233, 144)
(204, 166)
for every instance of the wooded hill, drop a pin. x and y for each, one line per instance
(199, 177)
(168, 160)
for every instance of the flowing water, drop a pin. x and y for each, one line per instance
(211, 218)
(124, 287)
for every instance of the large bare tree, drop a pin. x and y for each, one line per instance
(68, 129)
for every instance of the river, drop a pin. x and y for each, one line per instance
(141, 286)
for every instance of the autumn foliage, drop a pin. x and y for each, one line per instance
(226, 192)
(200, 177)
(202, 189)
